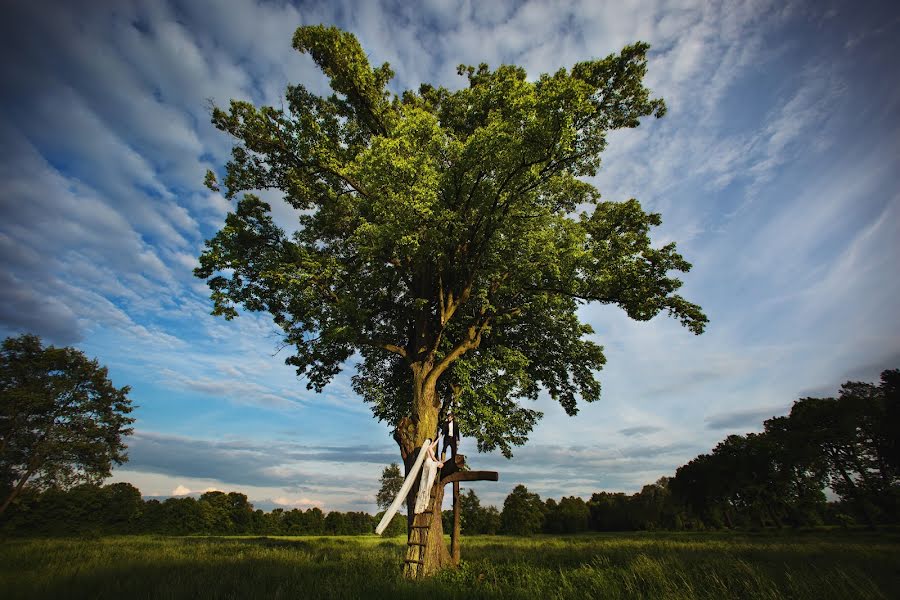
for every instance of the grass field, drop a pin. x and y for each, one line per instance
(646, 565)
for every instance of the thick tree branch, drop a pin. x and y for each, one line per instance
(471, 341)
(471, 476)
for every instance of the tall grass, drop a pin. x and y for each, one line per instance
(651, 565)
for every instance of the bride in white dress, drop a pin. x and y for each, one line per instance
(429, 472)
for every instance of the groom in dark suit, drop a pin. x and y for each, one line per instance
(451, 435)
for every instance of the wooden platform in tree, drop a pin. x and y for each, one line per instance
(455, 471)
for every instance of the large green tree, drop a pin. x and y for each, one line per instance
(61, 419)
(446, 236)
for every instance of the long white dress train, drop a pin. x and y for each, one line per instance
(407, 484)
(429, 472)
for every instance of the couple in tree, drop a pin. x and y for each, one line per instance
(450, 434)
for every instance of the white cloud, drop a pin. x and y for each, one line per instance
(301, 502)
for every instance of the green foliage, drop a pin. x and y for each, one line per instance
(82, 509)
(396, 527)
(474, 519)
(445, 235)
(225, 513)
(570, 515)
(298, 522)
(61, 419)
(523, 512)
(391, 482)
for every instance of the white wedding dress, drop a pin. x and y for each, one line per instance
(404, 489)
(429, 472)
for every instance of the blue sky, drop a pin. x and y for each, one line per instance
(775, 170)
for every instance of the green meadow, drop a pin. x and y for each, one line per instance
(814, 565)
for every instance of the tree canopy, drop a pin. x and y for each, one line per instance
(61, 419)
(445, 236)
(523, 512)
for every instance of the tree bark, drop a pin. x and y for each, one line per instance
(426, 552)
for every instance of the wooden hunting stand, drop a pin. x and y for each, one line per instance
(415, 564)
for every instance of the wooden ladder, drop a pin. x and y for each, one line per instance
(429, 510)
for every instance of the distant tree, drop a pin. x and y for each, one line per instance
(216, 509)
(274, 521)
(240, 511)
(798, 474)
(855, 437)
(692, 489)
(888, 438)
(152, 517)
(446, 236)
(294, 522)
(183, 516)
(523, 512)
(359, 523)
(475, 518)
(654, 505)
(226, 512)
(610, 512)
(397, 526)
(261, 524)
(551, 517)
(492, 522)
(470, 513)
(122, 507)
(298, 522)
(78, 509)
(573, 515)
(775, 477)
(757, 488)
(391, 482)
(335, 523)
(447, 519)
(61, 419)
(315, 521)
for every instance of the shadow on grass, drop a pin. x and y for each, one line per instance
(256, 578)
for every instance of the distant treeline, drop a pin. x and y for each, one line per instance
(848, 444)
(776, 478)
(119, 508)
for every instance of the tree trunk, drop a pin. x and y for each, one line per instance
(729, 522)
(857, 497)
(426, 552)
(15, 491)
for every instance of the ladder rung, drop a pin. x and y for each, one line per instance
(418, 562)
(415, 544)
